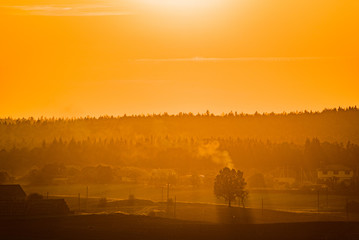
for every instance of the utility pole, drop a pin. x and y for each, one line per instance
(346, 209)
(327, 197)
(79, 203)
(174, 208)
(301, 175)
(162, 194)
(87, 197)
(318, 201)
(168, 198)
(168, 191)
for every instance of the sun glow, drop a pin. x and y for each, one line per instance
(181, 5)
(140, 56)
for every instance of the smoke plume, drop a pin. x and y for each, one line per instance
(212, 151)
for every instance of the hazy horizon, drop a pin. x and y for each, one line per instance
(77, 58)
(179, 119)
(149, 114)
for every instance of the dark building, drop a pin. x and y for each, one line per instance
(47, 207)
(12, 193)
(13, 202)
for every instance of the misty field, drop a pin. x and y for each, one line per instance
(275, 200)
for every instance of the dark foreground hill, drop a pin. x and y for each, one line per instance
(118, 226)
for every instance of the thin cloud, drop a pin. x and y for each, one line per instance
(71, 10)
(240, 59)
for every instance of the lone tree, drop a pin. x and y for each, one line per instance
(230, 185)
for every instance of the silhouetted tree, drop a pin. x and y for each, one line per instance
(34, 197)
(230, 185)
(5, 178)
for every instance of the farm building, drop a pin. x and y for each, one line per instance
(47, 207)
(12, 193)
(13, 202)
(338, 173)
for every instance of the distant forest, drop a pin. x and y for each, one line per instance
(330, 125)
(185, 155)
(186, 143)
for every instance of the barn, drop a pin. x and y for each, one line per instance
(41, 207)
(12, 200)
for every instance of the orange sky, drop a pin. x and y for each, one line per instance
(86, 57)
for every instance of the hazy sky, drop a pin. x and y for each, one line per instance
(78, 58)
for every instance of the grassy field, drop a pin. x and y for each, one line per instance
(213, 213)
(146, 219)
(274, 200)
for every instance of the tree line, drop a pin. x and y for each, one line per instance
(183, 154)
(331, 125)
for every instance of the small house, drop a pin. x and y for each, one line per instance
(339, 173)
